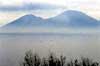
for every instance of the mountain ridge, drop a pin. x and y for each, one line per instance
(68, 19)
(73, 18)
(24, 21)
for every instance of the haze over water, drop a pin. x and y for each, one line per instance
(14, 46)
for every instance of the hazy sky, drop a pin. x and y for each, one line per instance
(12, 9)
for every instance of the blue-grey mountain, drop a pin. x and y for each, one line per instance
(74, 19)
(68, 19)
(26, 21)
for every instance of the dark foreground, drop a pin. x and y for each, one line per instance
(31, 59)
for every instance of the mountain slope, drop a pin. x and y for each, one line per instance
(74, 19)
(71, 20)
(26, 21)
(68, 18)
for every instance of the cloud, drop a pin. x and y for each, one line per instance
(30, 7)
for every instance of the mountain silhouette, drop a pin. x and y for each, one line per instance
(26, 21)
(68, 19)
(74, 19)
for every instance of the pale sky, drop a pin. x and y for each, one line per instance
(13, 9)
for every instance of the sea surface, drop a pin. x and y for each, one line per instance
(14, 45)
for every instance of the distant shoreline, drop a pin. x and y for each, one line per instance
(62, 34)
